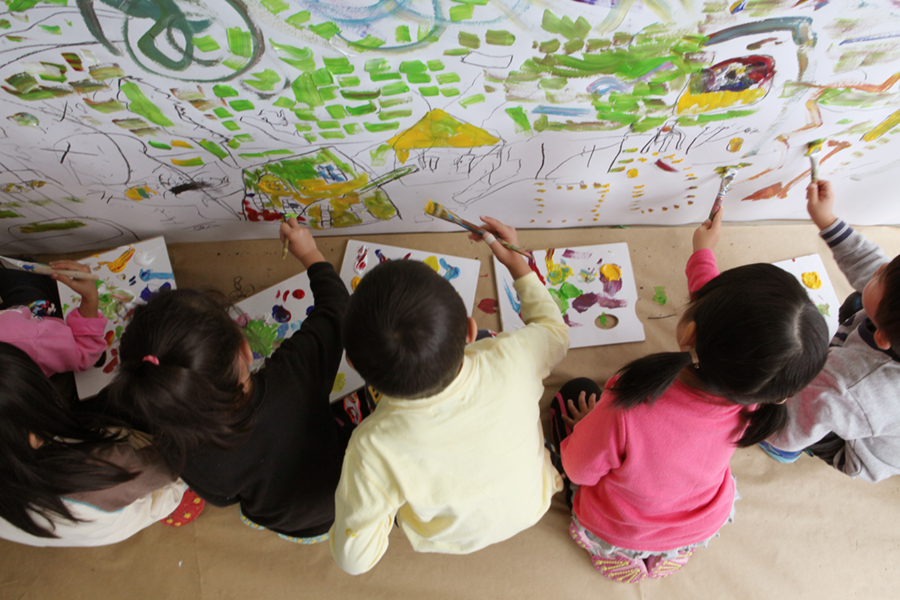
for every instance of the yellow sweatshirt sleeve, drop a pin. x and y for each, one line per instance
(545, 332)
(364, 515)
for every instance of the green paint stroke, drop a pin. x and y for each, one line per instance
(109, 71)
(222, 113)
(449, 92)
(336, 111)
(240, 42)
(206, 44)
(380, 127)
(159, 145)
(467, 102)
(401, 34)
(370, 42)
(283, 102)
(824, 309)
(44, 227)
(565, 26)
(339, 65)
(393, 89)
(24, 119)
(106, 107)
(298, 19)
(499, 37)
(241, 105)
(188, 162)
(261, 336)
(445, 78)
(140, 105)
(275, 6)
(301, 58)
(659, 295)
(469, 40)
(9, 214)
(362, 109)
(230, 125)
(435, 65)
(265, 80)
(51, 29)
(461, 12)
(307, 92)
(326, 30)
(220, 153)
(517, 114)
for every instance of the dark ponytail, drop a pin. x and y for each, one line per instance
(33, 480)
(194, 396)
(759, 340)
(646, 379)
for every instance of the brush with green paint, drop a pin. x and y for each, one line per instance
(812, 151)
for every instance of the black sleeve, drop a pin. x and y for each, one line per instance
(316, 347)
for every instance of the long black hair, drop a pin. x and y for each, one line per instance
(194, 396)
(32, 480)
(759, 340)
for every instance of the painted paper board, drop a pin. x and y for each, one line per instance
(810, 272)
(549, 114)
(274, 314)
(593, 287)
(129, 276)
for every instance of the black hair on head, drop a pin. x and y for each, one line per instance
(760, 340)
(33, 480)
(405, 330)
(194, 396)
(888, 313)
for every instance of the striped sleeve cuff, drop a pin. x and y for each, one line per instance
(836, 233)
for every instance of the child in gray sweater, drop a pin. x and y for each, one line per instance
(849, 415)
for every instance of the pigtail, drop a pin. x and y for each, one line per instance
(646, 379)
(766, 420)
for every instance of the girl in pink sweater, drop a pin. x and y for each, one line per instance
(650, 452)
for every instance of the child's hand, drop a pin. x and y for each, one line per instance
(584, 407)
(511, 260)
(301, 243)
(87, 288)
(707, 235)
(820, 203)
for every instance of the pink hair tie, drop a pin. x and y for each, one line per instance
(151, 359)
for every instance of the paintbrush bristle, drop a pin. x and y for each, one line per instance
(436, 210)
(813, 147)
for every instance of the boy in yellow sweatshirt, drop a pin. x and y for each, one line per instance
(455, 449)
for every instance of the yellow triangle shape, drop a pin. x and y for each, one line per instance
(437, 129)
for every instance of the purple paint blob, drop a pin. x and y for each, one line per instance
(577, 255)
(585, 301)
(611, 302)
(611, 288)
(570, 323)
(281, 314)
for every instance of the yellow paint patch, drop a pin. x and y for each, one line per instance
(355, 282)
(611, 272)
(632, 173)
(118, 265)
(811, 280)
(691, 104)
(882, 127)
(339, 382)
(180, 144)
(139, 192)
(437, 129)
(734, 144)
(433, 263)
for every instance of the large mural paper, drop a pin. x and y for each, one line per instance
(208, 119)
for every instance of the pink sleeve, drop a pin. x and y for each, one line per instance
(55, 346)
(701, 268)
(597, 445)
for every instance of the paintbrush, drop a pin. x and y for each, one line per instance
(812, 151)
(436, 210)
(42, 269)
(727, 174)
(287, 242)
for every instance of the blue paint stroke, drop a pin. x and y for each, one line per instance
(282, 330)
(147, 293)
(147, 275)
(310, 309)
(513, 298)
(870, 38)
(560, 111)
(281, 314)
(607, 84)
(451, 273)
(381, 257)
(800, 28)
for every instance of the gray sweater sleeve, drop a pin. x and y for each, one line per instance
(857, 257)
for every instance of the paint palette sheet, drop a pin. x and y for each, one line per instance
(810, 272)
(274, 314)
(128, 276)
(462, 273)
(593, 287)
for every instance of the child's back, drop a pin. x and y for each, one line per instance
(849, 415)
(461, 467)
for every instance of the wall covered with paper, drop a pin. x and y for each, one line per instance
(207, 119)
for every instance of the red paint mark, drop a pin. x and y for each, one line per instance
(265, 214)
(109, 337)
(488, 306)
(298, 294)
(666, 167)
(765, 193)
(286, 292)
(533, 266)
(112, 365)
